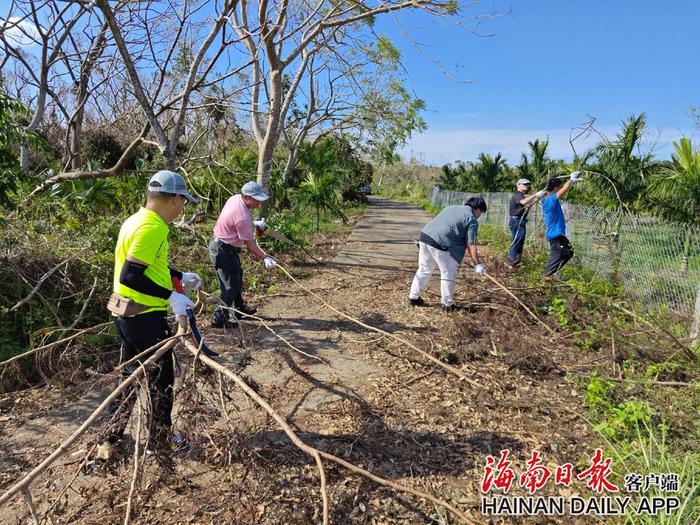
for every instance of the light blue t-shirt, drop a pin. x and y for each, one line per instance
(553, 214)
(453, 228)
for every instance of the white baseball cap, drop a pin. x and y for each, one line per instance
(253, 189)
(170, 182)
(523, 181)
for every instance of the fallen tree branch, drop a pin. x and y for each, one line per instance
(55, 343)
(63, 447)
(536, 318)
(425, 354)
(649, 382)
(118, 169)
(39, 283)
(687, 351)
(135, 477)
(314, 452)
(81, 313)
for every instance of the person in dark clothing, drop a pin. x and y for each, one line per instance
(518, 211)
(560, 249)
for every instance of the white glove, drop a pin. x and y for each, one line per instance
(191, 280)
(479, 269)
(261, 224)
(179, 303)
(575, 176)
(269, 263)
(541, 194)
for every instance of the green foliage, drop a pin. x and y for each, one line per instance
(450, 179)
(675, 192)
(624, 171)
(623, 420)
(558, 307)
(598, 392)
(538, 167)
(487, 174)
(322, 188)
(13, 117)
(649, 450)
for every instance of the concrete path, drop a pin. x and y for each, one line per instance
(383, 241)
(385, 236)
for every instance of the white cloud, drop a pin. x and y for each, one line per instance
(19, 32)
(443, 146)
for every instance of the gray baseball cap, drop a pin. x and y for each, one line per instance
(253, 189)
(170, 182)
(523, 181)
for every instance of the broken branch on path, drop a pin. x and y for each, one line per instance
(536, 318)
(425, 354)
(63, 447)
(312, 451)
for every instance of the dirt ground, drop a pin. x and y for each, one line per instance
(353, 392)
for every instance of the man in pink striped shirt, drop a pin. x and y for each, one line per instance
(234, 229)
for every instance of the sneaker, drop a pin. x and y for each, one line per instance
(247, 310)
(451, 308)
(416, 302)
(224, 323)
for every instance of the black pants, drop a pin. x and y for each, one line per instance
(225, 259)
(137, 334)
(560, 253)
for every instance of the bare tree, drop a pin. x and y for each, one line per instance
(280, 39)
(171, 58)
(48, 25)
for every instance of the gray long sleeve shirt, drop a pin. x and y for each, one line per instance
(453, 229)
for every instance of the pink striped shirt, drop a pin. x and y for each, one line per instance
(235, 223)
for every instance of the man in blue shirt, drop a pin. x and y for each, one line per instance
(443, 243)
(560, 249)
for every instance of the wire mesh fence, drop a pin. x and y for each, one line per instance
(656, 262)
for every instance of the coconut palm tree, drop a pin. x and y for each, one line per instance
(488, 172)
(675, 192)
(625, 171)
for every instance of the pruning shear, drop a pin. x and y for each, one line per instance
(193, 322)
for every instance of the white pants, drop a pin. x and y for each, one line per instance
(428, 258)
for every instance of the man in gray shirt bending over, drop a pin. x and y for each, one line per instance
(443, 243)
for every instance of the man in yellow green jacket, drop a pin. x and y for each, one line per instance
(143, 281)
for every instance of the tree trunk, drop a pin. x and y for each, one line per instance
(686, 250)
(695, 329)
(75, 144)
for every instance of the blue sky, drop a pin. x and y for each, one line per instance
(547, 65)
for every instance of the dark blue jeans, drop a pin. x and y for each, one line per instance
(517, 230)
(225, 259)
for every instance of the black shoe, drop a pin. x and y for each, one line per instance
(247, 310)
(223, 323)
(452, 308)
(416, 302)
